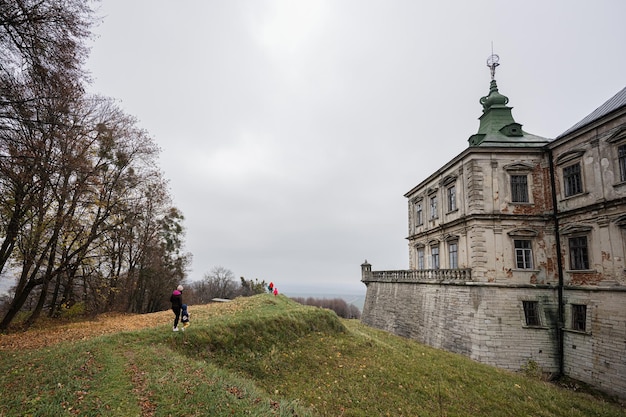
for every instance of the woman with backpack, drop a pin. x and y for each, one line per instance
(177, 302)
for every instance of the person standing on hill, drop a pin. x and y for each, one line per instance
(177, 302)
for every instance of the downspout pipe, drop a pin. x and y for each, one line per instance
(559, 266)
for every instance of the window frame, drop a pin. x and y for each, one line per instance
(421, 258)
(621, 161)
(432, 200)
(518, 189)
(532, 316)
(617, 143)
(435, 258)
(419, 214)
(582, 253)
(572, 181)
(453, 261)
(579, 317)
(451, 194)
(526, 252)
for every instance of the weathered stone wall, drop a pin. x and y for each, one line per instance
(487, 324)
(597, 356)
(483, 322)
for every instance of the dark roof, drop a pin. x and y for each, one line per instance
(614, 103)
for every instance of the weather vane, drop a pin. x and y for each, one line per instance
(492, 62)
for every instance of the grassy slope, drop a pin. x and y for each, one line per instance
(264, 356)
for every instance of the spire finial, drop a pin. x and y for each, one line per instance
(492, 62)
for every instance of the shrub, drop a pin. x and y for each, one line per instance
(75, 311)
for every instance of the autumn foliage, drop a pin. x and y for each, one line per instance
(86, 217)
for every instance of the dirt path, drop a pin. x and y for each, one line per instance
(51, 332)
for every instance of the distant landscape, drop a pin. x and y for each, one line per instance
(358, 300)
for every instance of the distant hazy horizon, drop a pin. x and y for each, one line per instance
(351, 294)
(358, 299)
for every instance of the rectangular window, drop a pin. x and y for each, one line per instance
(579, 317)
(434, 257)
(531, 313)
(453, 251)
(420, 258)
(572, 180)
(523, 254)
(433, 207)
(419, 218)
(578, 255)
(622, 162)
(451, 198)
(519, 189)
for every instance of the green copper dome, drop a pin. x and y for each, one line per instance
(494, 97)
(497, 126)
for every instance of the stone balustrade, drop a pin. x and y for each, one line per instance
(418, 275)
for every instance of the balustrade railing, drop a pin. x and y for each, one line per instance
(416, 275)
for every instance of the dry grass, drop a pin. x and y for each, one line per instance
(51, 332)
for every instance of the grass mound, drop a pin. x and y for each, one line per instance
(268, 356)
(257, 326)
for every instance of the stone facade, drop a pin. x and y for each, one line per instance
(517, 250)
(483, 322)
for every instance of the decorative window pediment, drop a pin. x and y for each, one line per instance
(431, 190)
(433, 242)
(448, 179)
(450, 237)
(574, 229)
(618, 136)
(415, 200)
(521, 232)
(569, 156)
(621, 221)
(518, 167)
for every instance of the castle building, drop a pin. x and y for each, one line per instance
(517, 250)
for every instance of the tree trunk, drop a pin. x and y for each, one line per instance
(37, 311)
(55, 295)
(17, 303)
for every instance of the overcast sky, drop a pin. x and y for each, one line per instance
(290, 130)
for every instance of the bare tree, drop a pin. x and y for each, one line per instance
(84, 213)
(220, 283)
